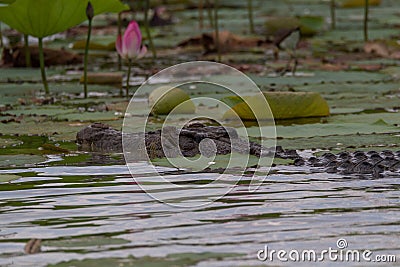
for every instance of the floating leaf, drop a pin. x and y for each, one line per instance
(98, 44)
(163, 103)
(19, 160)
(41, 18)
(380, 122)
(104, 78)
(311, 25)
(5, 177)
(86, 241)
(284, 105)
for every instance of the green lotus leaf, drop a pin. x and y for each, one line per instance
(284, 105)
(311, 25)
(6, 2)
(163, 103)
(105, 6)
(41, 18)
(5, 177)
(275, 24)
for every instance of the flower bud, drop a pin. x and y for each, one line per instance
(89, 11)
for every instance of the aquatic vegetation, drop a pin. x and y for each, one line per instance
(147, 28)
(216, 28)
(250, 14)
(164, 99)
(87, 209)
(90, 15)
(41, 18)
(366, 11)
(284, 105)
(129, 47)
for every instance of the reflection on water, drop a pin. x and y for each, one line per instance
(99, 212)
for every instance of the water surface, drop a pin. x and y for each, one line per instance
(98, 215)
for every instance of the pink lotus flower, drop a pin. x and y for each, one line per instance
(130, 45)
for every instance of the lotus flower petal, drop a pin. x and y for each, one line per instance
(129, 46)
(133, 27)
(142, 52)
(118, 46)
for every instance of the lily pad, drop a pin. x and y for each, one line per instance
(5, 177)
(284, 105)
(309, 25)
(163, 100)
(114, 78)
(88, 116)
(20, 160)
(22, 75)
(105, 43)
(87, 241)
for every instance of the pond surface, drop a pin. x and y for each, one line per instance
(99, 216)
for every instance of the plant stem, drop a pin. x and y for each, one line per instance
(28, 62)
(119, 34)
(127, 78)
(1, 38)
(366, 10)
(146, 25)
(217, 29)
(85, 62)
(333, 15)
(42, 68)
(209, 13)
(250, 11)
(201, 5)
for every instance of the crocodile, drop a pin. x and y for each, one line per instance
(100, 137)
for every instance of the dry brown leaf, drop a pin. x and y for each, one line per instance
(377, 48)
(104, 78)
(228, 42)
(15, 57)
(33, 246)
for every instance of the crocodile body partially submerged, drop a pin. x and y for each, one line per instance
(102, 138)
(99, 137)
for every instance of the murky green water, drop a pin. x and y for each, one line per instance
(98, 216)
